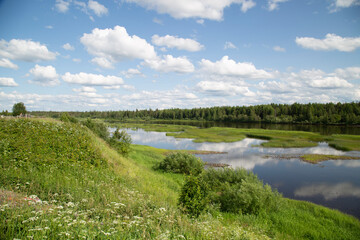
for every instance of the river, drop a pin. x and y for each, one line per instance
(334, 184)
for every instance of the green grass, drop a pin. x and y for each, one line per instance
(316, 158)
(60, 181)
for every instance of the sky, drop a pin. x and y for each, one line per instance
(84, 55)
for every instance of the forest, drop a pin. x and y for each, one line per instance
(311, 113)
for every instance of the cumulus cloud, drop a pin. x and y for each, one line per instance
(67, 46)
(25, 50)
(318, 79)
(6, 63)
(176, 42)
(274, 4)
(229, 45)
(278, 49)
(62, 6)
(85, 89)
(92, 79)
(44, 75)
(330, 43)
(350, 73)
(97, 8)
(205, 9)
(220, 88)
(228, 67)
(8, 82)
(132, 72)
(102, 62)
(117, 45)
(170, 64)
(339, 4)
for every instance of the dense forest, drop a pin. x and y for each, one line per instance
(312, 113)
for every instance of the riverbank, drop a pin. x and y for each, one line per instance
(60, 181)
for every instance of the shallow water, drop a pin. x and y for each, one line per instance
(334, 184)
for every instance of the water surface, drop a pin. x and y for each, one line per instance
(334, 184)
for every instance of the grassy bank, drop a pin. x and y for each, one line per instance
(275, 138)
(60, 181)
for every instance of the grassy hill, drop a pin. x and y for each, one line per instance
(60, 181)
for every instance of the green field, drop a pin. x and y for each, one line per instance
(60, 181)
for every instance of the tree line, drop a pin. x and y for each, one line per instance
(311, 113)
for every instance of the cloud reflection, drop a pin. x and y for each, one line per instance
(329, 191)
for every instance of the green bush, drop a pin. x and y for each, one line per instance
(98, 128)
(239, 191)
(121, 141)
(181, 162)
(65, 117)
(193, 198)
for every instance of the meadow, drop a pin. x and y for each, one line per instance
(61, 181)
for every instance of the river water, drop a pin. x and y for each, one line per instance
(334, 184)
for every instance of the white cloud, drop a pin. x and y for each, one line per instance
(279, 49)
(171, 64)
(85, 89)
(229, 67)
(7, 82)
(6, 63)
(116, 45)
(338, 4)
(77, 60)
(220, 88)
(44, 75)
(132, 72)
(274, 4)
(67, 46)
(176, 42)
(200, 21)
(92, 79)
(350, 73)
(206, 9)
(49, 27)
(229, 45)
(102, 62)
(25, 50)
(331, 42)
(97, 8)
(158, 21)
(329, 82)
(62, 6)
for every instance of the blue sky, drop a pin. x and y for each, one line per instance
(81, 55)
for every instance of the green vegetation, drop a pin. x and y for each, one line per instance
(181, 162)
(316, 158)
(313, 113)
(61, 181)
(18, 108)
(275, 138)
(193, 197)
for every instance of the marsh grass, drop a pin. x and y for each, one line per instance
(316, 158)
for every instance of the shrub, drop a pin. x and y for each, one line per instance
(239, 191)
(98, 128)
(181, 162)
(65, 117)
(193, 197)
(18, 108)
(121, 140)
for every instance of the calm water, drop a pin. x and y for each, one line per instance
(334, 184)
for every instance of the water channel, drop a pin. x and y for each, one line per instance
(334, 184)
